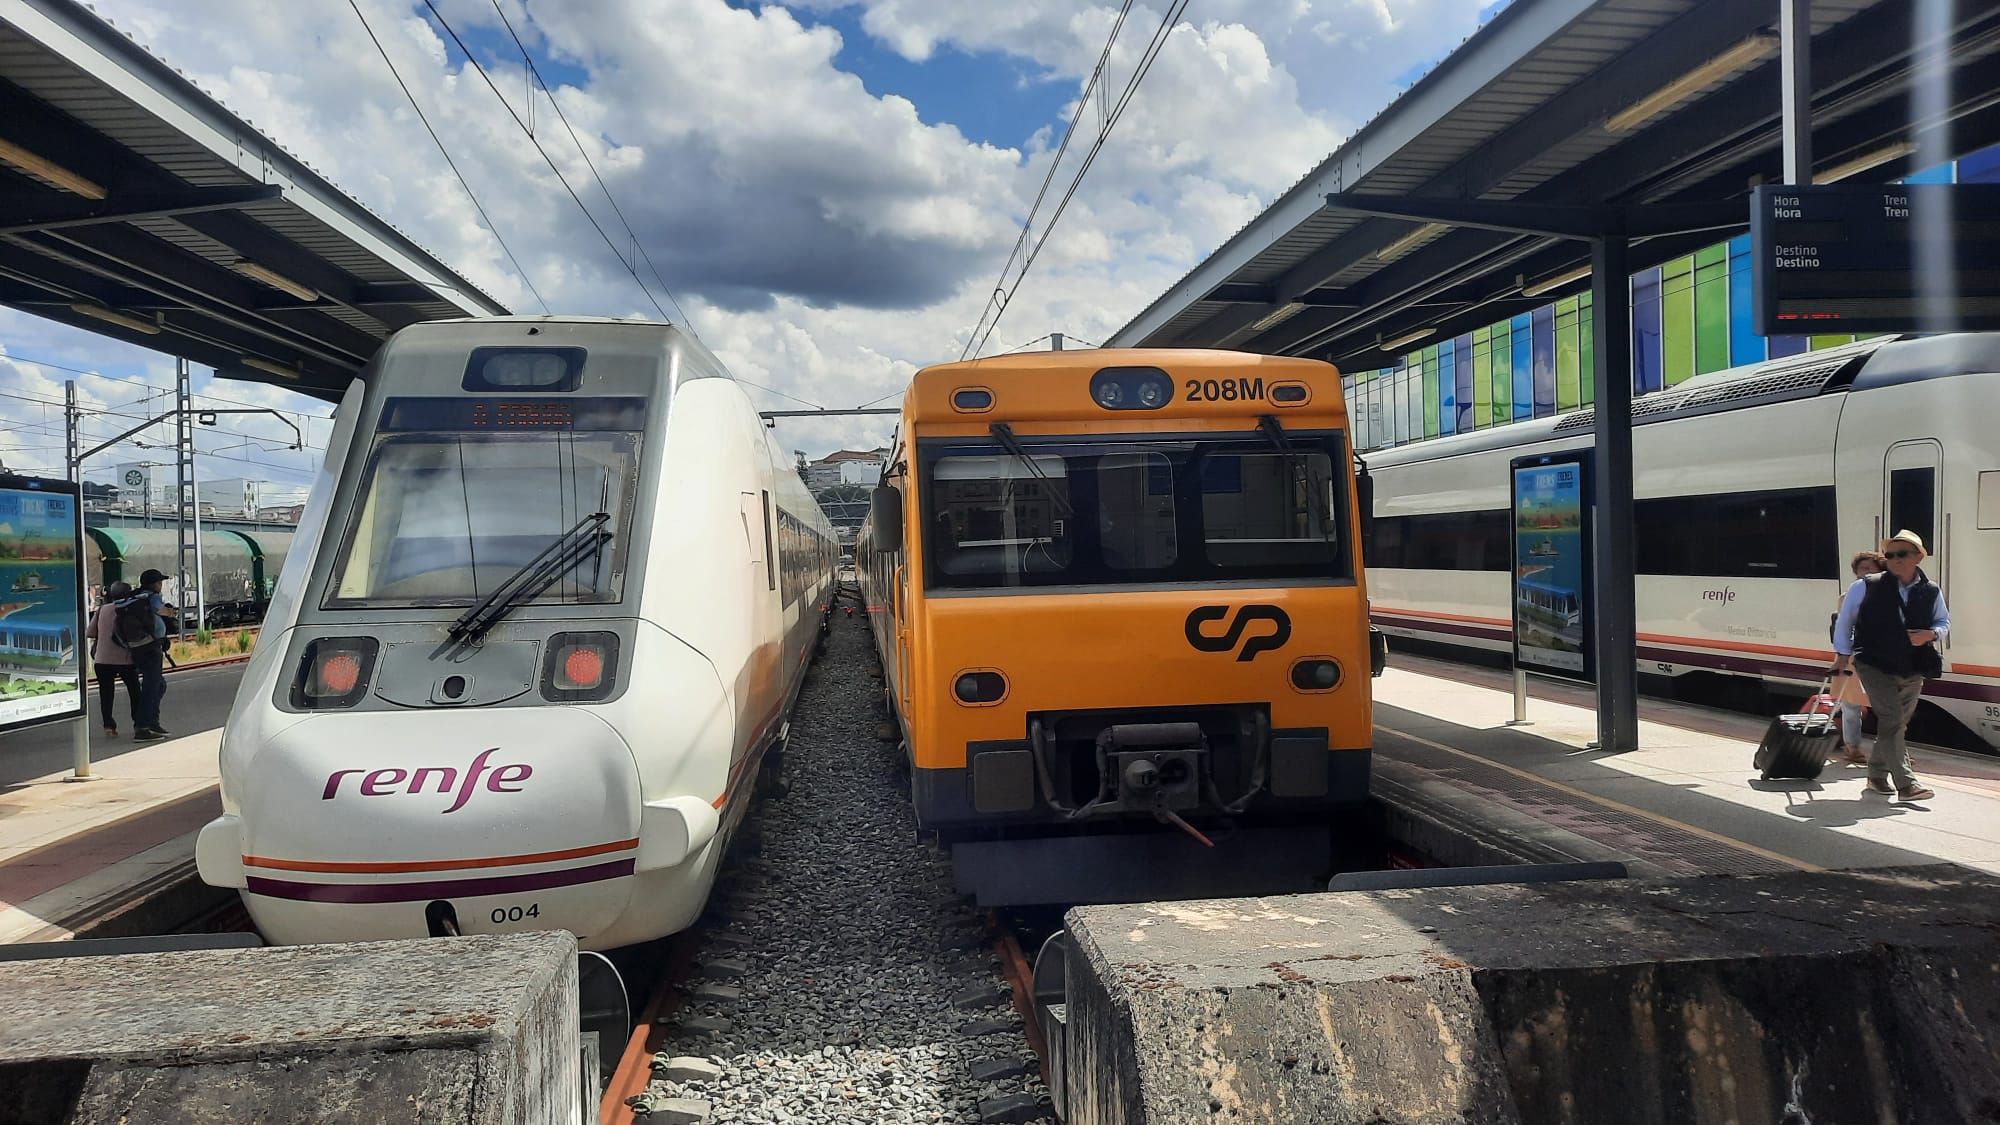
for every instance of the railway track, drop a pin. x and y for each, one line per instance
(837, 975)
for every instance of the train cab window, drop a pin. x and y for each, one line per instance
(443, 518)
(1268, 507)
(1135, 511)
(1000, 516)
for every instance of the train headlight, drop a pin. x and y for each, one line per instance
(979, 687)
(333, 673)
(580, 667)
(1316, 674)
(1131, 388)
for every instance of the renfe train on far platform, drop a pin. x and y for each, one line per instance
(1118, 601)
(1753, 487)
(549, 605)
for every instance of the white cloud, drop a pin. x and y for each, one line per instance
(825, 240)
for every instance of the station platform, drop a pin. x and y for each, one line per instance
(112, 856)
(1688, 802)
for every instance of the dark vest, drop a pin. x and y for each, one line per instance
(1881, 627)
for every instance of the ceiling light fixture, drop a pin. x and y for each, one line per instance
(1402, 245)
(1740, 57)
(278, 369)
(1405, 340)
(45, 169)
(1864, 162)
(113, 316)
(1278, 316)
(1553, 282)
(274, 279)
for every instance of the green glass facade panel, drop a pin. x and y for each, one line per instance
(1711, 308)
(1677, 319)
(1569, 357)
(1482, 378)
(1586, 352)
(1430, 372)
(1501, 341)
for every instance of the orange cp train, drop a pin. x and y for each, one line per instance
(1119, 604)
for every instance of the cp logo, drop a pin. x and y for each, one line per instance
(1281, 629)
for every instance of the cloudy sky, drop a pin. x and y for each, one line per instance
(830, 187)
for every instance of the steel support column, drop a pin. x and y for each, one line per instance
(1795, 76)
(1614, 630)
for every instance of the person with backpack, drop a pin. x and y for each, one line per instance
(113, 660)
(142, 629)
(1888, 629)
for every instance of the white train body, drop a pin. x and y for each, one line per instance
(1754, 487)
(428, 786)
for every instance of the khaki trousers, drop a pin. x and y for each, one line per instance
(1895, 700)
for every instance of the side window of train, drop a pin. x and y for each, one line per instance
(770, 562)
(1779, 533)
(1442, 541)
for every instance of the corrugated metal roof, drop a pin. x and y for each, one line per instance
(98, 102)
(1497, 89)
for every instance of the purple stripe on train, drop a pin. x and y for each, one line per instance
(437, 888)
(1732, 662)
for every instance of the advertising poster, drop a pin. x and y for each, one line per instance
(1552, 572)
(41, 567)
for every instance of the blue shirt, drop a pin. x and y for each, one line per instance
(1850, 607)
(159, 622)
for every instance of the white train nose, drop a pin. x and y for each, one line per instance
(377, 825)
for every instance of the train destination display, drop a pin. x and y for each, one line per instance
(41, 602)
(1551, 564)
(1837, 258)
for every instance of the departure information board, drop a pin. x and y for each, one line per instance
(1838, 258)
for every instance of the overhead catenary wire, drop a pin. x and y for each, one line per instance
(439, 141)
(564, 180)
(1069, 131)
(536, 75)
(1152, 52)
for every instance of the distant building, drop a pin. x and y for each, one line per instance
(846, 466)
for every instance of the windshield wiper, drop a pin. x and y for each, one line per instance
(560, 557)
(1004, 434)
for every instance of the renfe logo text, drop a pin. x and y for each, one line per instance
(1725, 595)
(390, 781)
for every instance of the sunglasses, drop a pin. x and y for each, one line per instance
(1899, 554)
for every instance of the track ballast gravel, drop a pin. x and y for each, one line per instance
(855, 944)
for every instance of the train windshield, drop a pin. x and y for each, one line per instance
(1138, 512)
(443, 517)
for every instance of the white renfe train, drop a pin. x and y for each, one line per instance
(550, 602)
(1754, 486)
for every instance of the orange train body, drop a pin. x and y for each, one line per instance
(1119, 604)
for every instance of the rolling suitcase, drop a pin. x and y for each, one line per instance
(1795, 747)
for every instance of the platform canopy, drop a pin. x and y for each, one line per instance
(134, 205)
(1575, 103)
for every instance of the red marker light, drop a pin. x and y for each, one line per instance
(339, 673)
(583, 668)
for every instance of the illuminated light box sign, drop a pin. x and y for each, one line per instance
(500, 415)
(41, 602)
(1552, 569)
(1839, 258)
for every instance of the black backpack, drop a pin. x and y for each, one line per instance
(132, 622)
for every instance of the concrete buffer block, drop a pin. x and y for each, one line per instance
(1830, 996)
(477, 1030)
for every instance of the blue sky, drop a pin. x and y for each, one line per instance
(825, 241)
